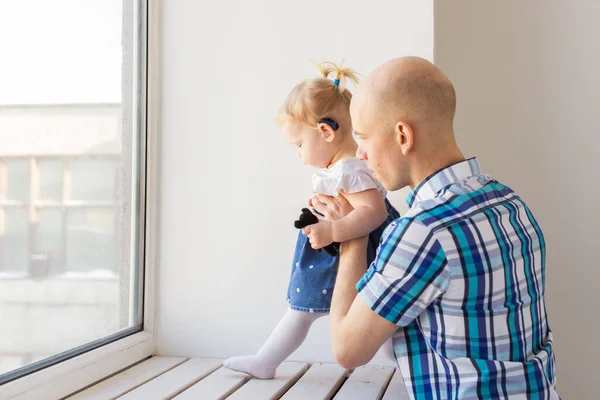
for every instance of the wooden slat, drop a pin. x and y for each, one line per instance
(257, 389)
(175, 381)
(397, 389)
(366, 383)
(218, 385)
(129, 379)
(320, 382)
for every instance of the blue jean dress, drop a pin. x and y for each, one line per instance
(314, 272)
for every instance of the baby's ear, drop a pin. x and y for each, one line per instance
(327, 133)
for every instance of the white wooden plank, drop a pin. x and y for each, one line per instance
(129, 379)
(258, 389)
(218, 385)
(366, 383)
(320, 382)
(175, 381)
(397, 389)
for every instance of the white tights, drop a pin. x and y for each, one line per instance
(283, 341)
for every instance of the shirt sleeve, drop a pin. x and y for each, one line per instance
(409, 273)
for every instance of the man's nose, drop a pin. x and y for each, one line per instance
(360, 154)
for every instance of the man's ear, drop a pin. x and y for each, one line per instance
(326, 132)
(405, 137)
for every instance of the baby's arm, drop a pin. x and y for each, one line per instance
(368, 214)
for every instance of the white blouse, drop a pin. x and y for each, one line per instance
(350, 175)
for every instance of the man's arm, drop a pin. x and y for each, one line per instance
(410, 272)
(357, 332)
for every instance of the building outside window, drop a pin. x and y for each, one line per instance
(72, 134)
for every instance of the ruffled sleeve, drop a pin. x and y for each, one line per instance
(350, 175)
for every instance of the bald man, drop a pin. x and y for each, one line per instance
(458, 281)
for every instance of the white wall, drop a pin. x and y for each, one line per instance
(231, 186)
(528, 84)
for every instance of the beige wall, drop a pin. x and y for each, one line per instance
(527, 75)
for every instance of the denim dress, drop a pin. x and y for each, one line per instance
(314, 272)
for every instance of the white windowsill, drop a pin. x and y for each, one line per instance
(72, 375)
(13, 276)
(96, 275)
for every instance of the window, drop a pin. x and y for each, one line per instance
(72, 173)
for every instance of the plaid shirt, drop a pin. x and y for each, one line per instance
(462, 274)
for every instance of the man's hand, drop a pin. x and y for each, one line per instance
(320, 235)
(332, 208)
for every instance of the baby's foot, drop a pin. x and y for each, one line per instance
(251, 366)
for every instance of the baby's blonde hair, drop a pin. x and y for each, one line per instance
(317, 98)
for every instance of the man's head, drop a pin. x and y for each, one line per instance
(402, 114)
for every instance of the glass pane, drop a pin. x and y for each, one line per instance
(17, 180)
(104, 175)
(51, 179)
(91, 242)
(70, 100)
(49, 240)
(14, 231)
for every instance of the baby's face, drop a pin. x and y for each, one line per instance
(312, 148)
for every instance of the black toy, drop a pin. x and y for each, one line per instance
(308, 218)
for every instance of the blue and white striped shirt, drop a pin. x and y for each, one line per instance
(462, 275)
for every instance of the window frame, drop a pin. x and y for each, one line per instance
(80, 367)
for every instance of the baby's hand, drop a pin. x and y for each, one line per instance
(320, 235)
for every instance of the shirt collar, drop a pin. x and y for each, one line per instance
(443, 178)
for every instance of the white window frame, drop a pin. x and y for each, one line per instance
(74, 374)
